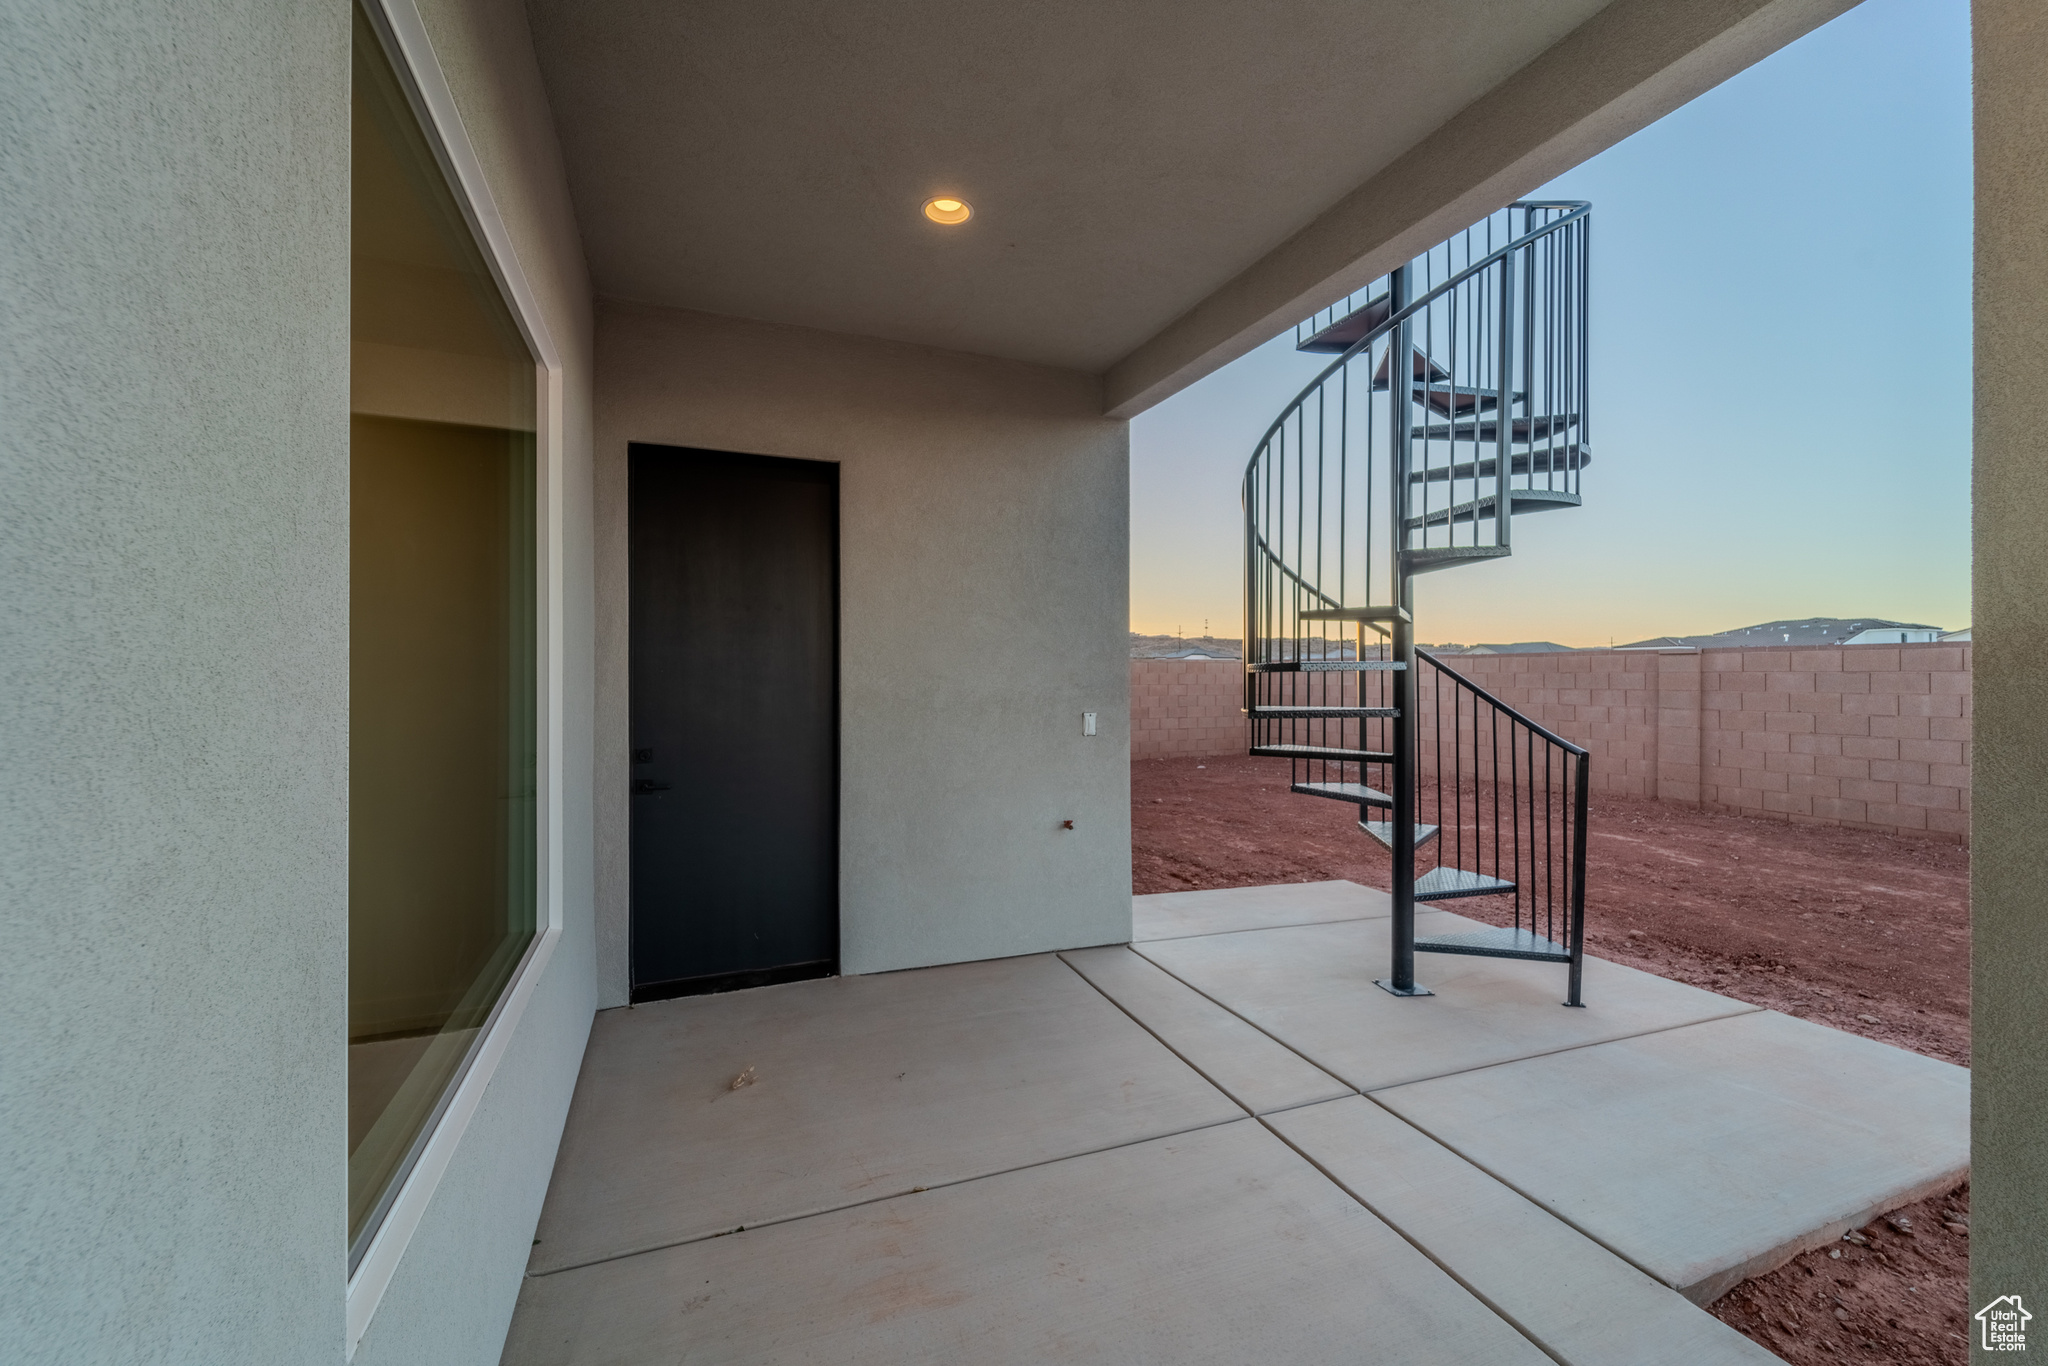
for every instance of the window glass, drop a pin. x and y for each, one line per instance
(442, 642)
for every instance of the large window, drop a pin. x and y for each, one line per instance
(443, 665)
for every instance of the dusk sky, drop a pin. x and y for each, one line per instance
(1781, 373)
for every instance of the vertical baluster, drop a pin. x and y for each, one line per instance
(1577, 945)
(1503, 430)
(1457, 774)
(1557, 398)
(1436, 720)
(1494, 779)
(1585, 339)
(1318, 684)
(1549, 854)
(1525, 760)
(1343, 482)
(1370, 451)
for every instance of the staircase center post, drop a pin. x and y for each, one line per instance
(1400, 389)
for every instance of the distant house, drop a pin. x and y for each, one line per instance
(1520, 647)
(1810, 631)
(1896, 635)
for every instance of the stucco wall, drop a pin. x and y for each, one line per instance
(174, 181)
(173, 681)
(2009, 873)
(450, 1300)
(984, 572)
(1876, 736)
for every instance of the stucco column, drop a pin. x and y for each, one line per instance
(2009, 877)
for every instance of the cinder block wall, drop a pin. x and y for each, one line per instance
(1876, 736)
(1638, 713)
(1184, 707)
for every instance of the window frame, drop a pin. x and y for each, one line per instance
(403, 34)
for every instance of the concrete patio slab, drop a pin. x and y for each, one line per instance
(1310, 986)
(1713, 1152)
(1250, 1067)
(1220, 1246)
(1576, 1299)
(1176, 915)
(855, 1088)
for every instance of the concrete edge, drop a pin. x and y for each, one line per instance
(1745, 1009)
(1705, 1292)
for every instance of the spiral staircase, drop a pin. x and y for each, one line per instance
(1455, 403)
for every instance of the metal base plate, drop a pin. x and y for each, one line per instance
(1386, 984)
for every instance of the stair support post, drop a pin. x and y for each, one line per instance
(1581, 777)
(1401, 972)
(1400, 980)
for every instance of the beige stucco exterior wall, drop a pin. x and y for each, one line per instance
(174, 611)
(1872, 736)
(2009, 873)
(173, 645)
(984, 529)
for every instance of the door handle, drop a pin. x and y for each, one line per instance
(641, 785)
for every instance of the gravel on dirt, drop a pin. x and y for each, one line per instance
(1901, 1295)
(1858, 930)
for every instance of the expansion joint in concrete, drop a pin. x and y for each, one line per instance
(774, 1220)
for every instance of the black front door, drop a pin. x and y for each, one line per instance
(735, 715)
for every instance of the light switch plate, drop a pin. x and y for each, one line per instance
(1087, 723)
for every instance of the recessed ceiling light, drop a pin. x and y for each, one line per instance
(946, 209)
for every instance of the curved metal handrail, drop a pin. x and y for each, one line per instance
(1303, 584)
(1580, 209)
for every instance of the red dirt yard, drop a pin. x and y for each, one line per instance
(1854, 929)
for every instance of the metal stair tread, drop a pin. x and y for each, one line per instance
(1340, 335)
(1383, 831)
(1421, 369)
(1344, 792)
(1519, 428)
(1325, 752)
(1365, 614)
(1521, 502)
(1326, 713)
(1423, 560)
(1573, 457)
(1497, 941)
(1329, 666)
(1456, 401)
(1441, 884)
